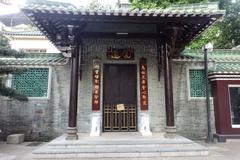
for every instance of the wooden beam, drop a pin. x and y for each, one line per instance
(122, 19)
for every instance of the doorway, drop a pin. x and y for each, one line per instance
(120, 98)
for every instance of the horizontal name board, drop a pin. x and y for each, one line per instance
(120, 53)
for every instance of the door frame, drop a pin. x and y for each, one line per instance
(103, 88)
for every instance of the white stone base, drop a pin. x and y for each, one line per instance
(72, 133)
(96, 124)
(15, 138)
(144, 124)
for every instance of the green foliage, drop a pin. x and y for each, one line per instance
(11, 93)
(224, 34)
(4, 41)
(161, 3)
(6, 51)
(230, 27)
(223, 4)
(210, 35)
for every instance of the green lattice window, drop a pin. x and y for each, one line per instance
(33, 82)
(197, 83)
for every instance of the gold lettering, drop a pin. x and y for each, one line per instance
(144, 92)
(96, 71)
(96, 91)
(96, 81)
(144, 77)
(144, 103)
(96, 97)
(96, 87)
(144, 97)
(96, 76)
(143, 67)
(115, 55)
(143, 81)
(96, 102)
(126, 54)
(144, 87)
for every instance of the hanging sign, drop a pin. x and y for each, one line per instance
(96, 77)
(143, 84)
(120, 54)
(120, 107)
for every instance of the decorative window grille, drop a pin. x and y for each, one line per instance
(33, 82)
(197, 83)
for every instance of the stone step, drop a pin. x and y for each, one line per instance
(81, 156)
(112, 147)
(116, 146)
(119, 142)
(119, 149)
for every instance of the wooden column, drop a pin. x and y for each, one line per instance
(167, 61)
(72, 121)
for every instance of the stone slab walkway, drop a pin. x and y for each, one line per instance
(218, 151)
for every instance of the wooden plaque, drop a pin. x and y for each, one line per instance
(120, 53)
(143, 84)
(96, 81)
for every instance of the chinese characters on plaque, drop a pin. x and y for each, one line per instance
(143, 84)
(120, 53)
(96, 84)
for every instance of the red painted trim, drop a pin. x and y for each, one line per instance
(222, 107)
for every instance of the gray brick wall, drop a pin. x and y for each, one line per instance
(190, 113)
(45, 119)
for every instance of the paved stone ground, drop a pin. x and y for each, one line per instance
(218, 151)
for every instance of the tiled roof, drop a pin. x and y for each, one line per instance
(23, 33)
(35, 59)
(173, 11)
(14, 19)
(216, 55)
(225, 61)
(225, 68)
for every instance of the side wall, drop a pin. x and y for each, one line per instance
(38, 119)
(190, 112)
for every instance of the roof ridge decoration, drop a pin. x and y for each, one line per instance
(200, 8)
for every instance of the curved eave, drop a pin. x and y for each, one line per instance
(5, 62)
(53, 21)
